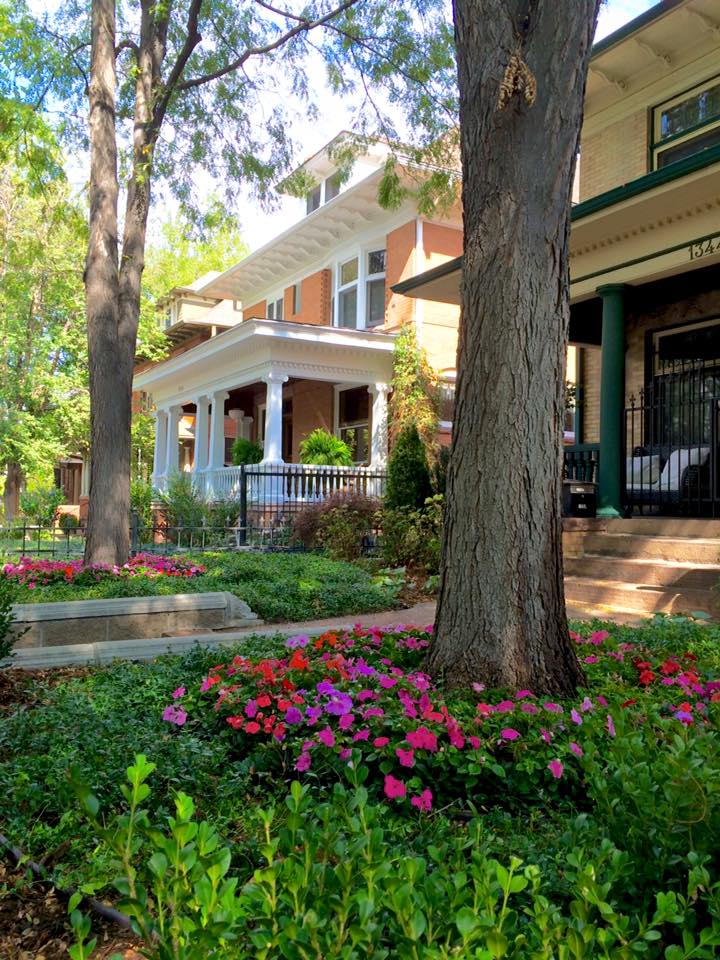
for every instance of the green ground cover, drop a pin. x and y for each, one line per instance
(354, 809)
(277, 586)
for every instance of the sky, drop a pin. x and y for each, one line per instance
(265, 226)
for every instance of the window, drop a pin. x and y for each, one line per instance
(348, 294)
(354, 420)
(446, 389)
(297, 298)
(332, 187)
(687, 124)
(275, 309)
(375, 289)
(313, 199)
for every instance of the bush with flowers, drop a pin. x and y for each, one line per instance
(30, 573)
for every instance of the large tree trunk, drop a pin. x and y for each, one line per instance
(108, 511)
(11, 493)
(522, 66)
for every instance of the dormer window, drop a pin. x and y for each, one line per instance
(332, 187)
(687, 124)
(313, 199)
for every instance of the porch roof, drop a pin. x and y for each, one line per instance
(245, 354)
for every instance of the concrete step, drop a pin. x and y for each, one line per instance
(662, 573)
(666, 527)
(695, 550)
(643, 599)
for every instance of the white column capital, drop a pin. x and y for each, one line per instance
(378, 388)
(275, 376)
(200, 398)
(174, 410)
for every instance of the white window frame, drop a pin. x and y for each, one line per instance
(369, 278)
(273, 302)
(449, 377)
(356, 424)
(364, 277)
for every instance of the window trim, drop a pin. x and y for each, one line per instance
(344, 287)
(373, 278)
(659, 145)
(362, 255)
(355, 424)
(273, 302)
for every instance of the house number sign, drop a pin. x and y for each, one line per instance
(705, 247)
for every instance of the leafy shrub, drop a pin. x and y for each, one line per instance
(184, 504)
(338, 524)
(40, 506)
(408, 483)
(246, 451)
(413, 538)
(325, 449)
(8, 638)
(141, 501)
(439, 471)
(68, 522)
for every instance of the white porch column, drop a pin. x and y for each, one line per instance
(217, 430)
(172, 448)
(272, 450)
(379, 425)
(160, 456)
(200, 457)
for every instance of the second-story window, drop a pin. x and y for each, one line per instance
(275, 309)
(687, 124)
(347, 298)
(375, 288)
(313, 199)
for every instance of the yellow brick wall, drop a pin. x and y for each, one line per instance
(614, 155)
(591, 394)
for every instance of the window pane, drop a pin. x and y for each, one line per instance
(347, 308)
(688, 148)
(447, 401)
(279, 309)
(348, 272)
(313, 199)
(354, 405)
(270, 311)
(375, 302)
(376, 262)
(297, 297)
(332, 187)
(698, 108)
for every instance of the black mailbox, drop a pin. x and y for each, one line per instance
(579, 498)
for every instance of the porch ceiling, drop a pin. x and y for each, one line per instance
(245, 354)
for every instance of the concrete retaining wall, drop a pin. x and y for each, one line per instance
(127, 618)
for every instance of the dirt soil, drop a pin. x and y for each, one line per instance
(34, 924)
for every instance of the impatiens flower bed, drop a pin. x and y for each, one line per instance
(361, 698)
(31, 573)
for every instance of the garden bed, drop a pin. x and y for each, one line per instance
(596, 818)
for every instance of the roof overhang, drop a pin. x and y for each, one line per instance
(243, 355)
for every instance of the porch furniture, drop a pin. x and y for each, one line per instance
(685, 477)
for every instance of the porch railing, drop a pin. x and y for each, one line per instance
(581, 462)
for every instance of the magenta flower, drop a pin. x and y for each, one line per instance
(478, 687)
(575, 717)
(553, 707)
(529, 708)
(180, 692)
(610, 726)
(293, 715)
(327, 737)
(505, 706)
(361, 734)
(576, 748)
(394, 789)
(303, 762)
(422, 739)
(524, 694)
(406, 757)
(474, 742)
(345, 753)
(508, 733)
(556, 768)
(423, 802)
(346, 721)
(586, 705)
(591, 659)
(381, 741)
(176, 715)
(387, 682)
(294, 642)
(545, 734)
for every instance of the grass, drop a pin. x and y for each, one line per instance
(277, 586)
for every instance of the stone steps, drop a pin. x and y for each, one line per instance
(693, 550)
(639, 598)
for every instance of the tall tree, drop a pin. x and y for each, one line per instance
(44, 403)
(522, 67)
(184, 84)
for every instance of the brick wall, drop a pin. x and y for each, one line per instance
(400, 264)
(614, 155)
(256, 311)
(312, 407)
(591, 394)
(315, 296)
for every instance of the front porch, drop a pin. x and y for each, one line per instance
(284, 382)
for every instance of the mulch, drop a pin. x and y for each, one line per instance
(27, 687)
(34, 923)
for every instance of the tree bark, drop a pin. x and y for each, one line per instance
(11, 493)
(522, 67)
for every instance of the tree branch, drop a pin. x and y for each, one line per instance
(192, 39)
(303, 26)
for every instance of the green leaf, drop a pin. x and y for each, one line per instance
(465, 921)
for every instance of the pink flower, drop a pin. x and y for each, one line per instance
(346, 721)
(303, 762)
(422, 739)
(524, 694)
(591, 659)
(423, 802)
(474, 742)
(529, 708)
(610, 726)
(387, 682)
(180, 692)
(586, 705)
(556, 768)
(575, 717)
(576, 749)
(394, 789)
(346, 753)
(406, 757)
(505, 706)
(508, 733)
(545, 734)
(176, 715)
(381, 741)
(598, 637)
(553, 707)
(478, 687)
(361, 735)
(327, 737)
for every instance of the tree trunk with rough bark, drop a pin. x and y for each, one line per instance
(11, 493)
(522, 67)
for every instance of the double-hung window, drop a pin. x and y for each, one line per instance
(275, 309)
(375, 288)
(687, 124)
(347, 297)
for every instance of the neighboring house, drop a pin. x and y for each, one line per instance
(300, 334)
(644, 266)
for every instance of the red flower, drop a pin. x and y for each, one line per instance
(235, 722)
(252, 727)
(669, 667)
(629, 703)
(646, 677)
(263, 700)
(298, 661)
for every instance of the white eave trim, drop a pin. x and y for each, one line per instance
(273, 330)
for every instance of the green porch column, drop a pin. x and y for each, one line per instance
(612, 399)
